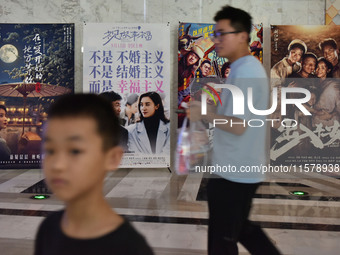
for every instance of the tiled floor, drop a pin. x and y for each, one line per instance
(171, 210)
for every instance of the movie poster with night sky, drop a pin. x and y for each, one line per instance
(36, 67)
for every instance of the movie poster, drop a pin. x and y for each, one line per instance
(133, 62)
(307, 132)
(198, 59)
(37, 66)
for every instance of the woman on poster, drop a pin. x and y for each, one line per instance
(151, 134)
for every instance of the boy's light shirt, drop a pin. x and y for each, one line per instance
(247, 149)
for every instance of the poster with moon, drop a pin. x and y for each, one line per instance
(8, 53)
(36, 66)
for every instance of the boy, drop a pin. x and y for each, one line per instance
(5, 152)
(330, 51)
(80, 146)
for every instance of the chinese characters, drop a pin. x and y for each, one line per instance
(132, 71)
(33, 60)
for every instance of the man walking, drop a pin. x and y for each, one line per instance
(236, 143)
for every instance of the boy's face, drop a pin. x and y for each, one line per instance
(295, 55)
(308, 65)
(74, 161)
(330, 53)
(3, 119)
(322, 70)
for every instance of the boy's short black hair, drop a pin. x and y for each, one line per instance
(3, 107)
(111, 96)
(297, 43)
(309, 55)
(89, 106)
(327, 63)
(239, 19)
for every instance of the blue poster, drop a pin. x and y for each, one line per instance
(36, 66)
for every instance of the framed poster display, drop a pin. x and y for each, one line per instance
(37, 66)
(133, 61)
(306, 57)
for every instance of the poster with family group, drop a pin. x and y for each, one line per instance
(306, 57)
(198, 61)
(36, 67)
(130, 65)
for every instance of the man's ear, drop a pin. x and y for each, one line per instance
(244, 37)
(113, 158)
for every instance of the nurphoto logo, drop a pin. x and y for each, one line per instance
(239, 99)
